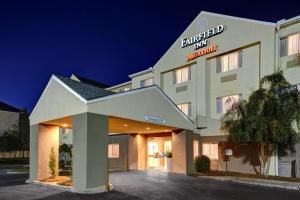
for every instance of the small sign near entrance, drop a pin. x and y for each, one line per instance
(228, 152)
(157, 120)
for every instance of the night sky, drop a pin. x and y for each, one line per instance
(101, 40)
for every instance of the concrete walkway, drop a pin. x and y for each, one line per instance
(148, 185)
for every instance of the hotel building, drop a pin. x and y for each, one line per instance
(174, 106)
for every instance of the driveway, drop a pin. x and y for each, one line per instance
(139, 185)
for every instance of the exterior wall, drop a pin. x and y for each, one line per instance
(179, 155)
(137, 152)
(290, 64)
(52, 106)
(34, 152)
(90, 162)
(255, 39)
(136, 104)
(120, 163)
(183, 92)
(191, 137)
(48, 138)
(136, 81)
(8, 120)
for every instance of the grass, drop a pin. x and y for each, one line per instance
(242, 175)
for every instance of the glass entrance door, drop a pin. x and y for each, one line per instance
(153, 155)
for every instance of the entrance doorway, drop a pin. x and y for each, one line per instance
(156, 151)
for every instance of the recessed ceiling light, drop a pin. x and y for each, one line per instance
(65, 125)
(148, 128)
(166, 130)
(125, 124)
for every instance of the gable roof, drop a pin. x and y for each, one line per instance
(9, 108)
(85, 90)
(91, 82)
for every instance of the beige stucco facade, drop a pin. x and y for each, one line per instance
(144, 122)
(259, 44)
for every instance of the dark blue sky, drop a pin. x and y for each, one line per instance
(102, 40)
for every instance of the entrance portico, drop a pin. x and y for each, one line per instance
(93, 114)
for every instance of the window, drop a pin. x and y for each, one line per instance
(182, 75)
(225, 103)
(113, 151)
(196, 148)
(185, 108)
(229, 62)
(290, 45)
(210, 150)
(147, 82)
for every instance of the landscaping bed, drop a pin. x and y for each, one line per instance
(242, 175)
(59, 180)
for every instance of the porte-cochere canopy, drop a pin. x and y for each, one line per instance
(64, 98)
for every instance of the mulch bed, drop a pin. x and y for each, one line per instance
(59, 180)
(242, 175)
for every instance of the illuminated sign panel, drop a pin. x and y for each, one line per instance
(200, 41)
(206, 51)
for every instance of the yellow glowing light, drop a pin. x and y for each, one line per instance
(125, 125)
(148, 128)
(65, 125)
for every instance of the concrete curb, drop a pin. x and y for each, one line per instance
(70, 188)
(258, 182)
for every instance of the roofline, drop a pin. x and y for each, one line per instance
(216, 15)
(287, 22)
(54, 78)
(239, 18)
(150, 69)
(91, 101)
(119, 85)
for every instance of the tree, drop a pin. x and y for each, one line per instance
(270, 117)
(24, 131)
(52, 163)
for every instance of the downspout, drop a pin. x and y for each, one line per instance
(276, 160)
(276, 67)
(277, 48)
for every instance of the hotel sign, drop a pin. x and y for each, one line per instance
(200, 41)
(157, 120)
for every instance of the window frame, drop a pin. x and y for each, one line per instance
(284, 52)
(239, 61)
(210, 150)
(110, 154)
(240, 98)
(142, 82)
(189, 108)
(189, 77)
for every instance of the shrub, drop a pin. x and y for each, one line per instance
(52, 162)
(168, 154)
(202, 164)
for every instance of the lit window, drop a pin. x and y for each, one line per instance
(210, 150)
(185, 108)
(113, 151)
(196, 148)
(225, 103)
(229, 62)
(182, 75)
(147, 82)
(124, 89)
(290, 45)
